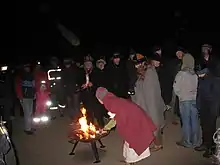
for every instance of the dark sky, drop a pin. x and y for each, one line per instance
(109, 26)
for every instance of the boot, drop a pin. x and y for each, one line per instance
(157, 145)
(61, 113)
(208, 153)
(29, 132)
(201, 148)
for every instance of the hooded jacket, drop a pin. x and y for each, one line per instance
(186, 81)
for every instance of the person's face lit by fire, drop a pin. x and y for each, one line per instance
(155, 63)
(101, 65)
(88, 66)
(159, 52)
(179, 55)
(116, 60)
(43, 87)
(205, 50)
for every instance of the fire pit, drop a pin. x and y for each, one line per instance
(81, 131)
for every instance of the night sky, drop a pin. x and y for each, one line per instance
(103, 29)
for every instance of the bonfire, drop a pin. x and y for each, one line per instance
(85, 130)
(82, 131)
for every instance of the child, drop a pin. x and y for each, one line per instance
(42, 98)
(133, 125)
(185, 87)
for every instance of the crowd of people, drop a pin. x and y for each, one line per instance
(189, 88)
(196, 91)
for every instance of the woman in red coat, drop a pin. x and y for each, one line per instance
(133, 125)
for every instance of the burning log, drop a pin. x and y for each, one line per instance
(82, 131)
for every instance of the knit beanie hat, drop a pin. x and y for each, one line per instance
(188, 61)
(101, 93)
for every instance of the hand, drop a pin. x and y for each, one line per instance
(103, 130)
(100, 130)
(90, 84)
(21, 101)
(84, 86)
(202, 75)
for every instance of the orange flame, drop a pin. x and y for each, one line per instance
(89, 131)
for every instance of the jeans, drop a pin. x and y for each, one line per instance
(27, 105)
(73, 104)
(190, 121)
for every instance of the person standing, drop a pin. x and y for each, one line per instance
(42, 88)
(69, 81)
(131, 72)
(209, 92)
(88, 87)
(148, 97)
(25, 88)
(175, 67)
(101, 80)
(101, 77)
(119, 79)
(185, 87)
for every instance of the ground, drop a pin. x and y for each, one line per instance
(49, 146)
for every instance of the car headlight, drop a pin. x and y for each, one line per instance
(4, 68)
(43, 82)
(44, 118)
(36, 119)
(48, 103)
